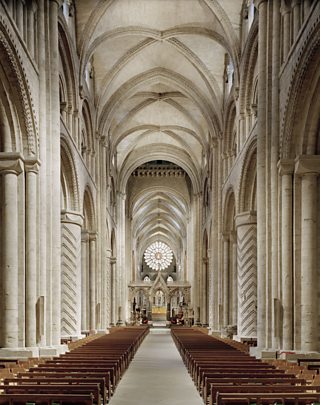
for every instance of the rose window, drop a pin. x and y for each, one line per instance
(158, 256)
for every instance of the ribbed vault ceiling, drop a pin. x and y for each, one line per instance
(159, 88)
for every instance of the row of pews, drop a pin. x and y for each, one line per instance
(86, 375)
(225, 375)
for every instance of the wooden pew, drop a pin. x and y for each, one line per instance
(65, 399)
(43, 380)
(211, 383)
(71, 377)
(269, 388)
(262, 398)
(57, 389)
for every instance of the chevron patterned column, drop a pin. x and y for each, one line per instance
(247, 274)
(71, 275)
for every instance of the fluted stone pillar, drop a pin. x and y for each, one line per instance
(84, 281)
(286, 171)
(308, 167)
(92, 280)
(247, 274)
(31, 169)
(225, 279)
(9, 170)
(261, 174)
(71, 223)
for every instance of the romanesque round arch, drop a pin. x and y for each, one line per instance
(20, 91)
(247, 189)
(69, 178)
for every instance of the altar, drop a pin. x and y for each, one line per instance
(159, 313)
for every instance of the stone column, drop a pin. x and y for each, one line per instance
(233, 241)
(92, 280)
(44, 235)
(225, 279)
(113, 262)
(19, 17)
(306, 7)
(247, 274)
(274, 156)
(285, 12)
(296, 18)
(30, 29)
(71, 310)
(31, 169)
(9, 170)
(309, 167)
(286, 170)
(261, 173)
(54, 176)
(107, 289)
(84, 280)
(204, 292)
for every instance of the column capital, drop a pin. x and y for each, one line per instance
(93, 236)
(85, 236)
(58, 2)
(32, 166)
(307, 164)
(11, 162)
(225, 236)
(246, 218)
(285, 8)
(257, 3)
(71, 217)
(233, 236)
(285, 166)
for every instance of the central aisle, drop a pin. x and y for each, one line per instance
(156, 375)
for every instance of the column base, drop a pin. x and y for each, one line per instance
(292, 355)
(214, 332)
(50, 351)
(102, 331)
(27, 352)
(19, 352)
(261, 353)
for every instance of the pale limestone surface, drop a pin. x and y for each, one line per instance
(157, 375)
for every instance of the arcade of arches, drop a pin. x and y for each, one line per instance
(159, 157)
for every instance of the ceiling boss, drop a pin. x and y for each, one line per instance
(158, 256)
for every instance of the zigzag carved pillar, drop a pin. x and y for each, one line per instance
(71, 223)
(247, 274)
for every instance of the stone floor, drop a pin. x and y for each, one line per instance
(156, 375)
